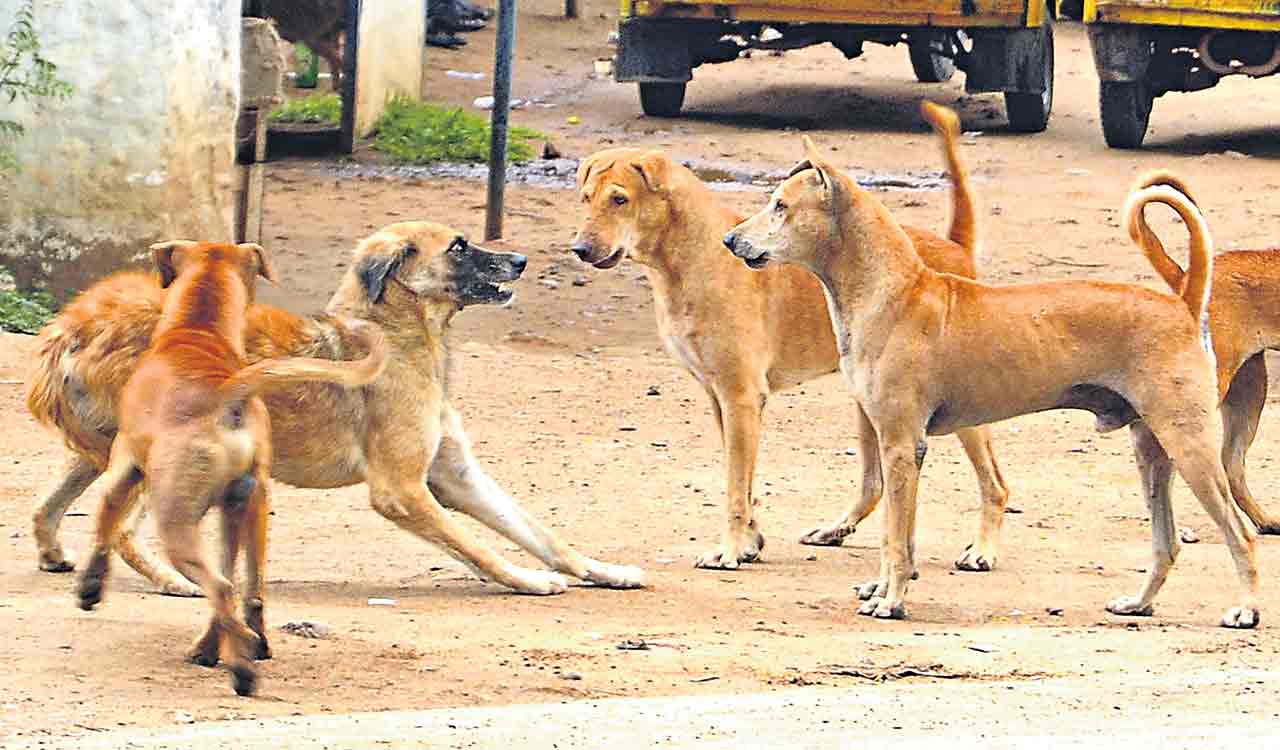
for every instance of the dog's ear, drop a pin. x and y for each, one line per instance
(824, 173)
(168, 258)
(654, 168)
(260, 259)
(377, 265)
(585, 169)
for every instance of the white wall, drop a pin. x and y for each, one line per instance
(143, 149)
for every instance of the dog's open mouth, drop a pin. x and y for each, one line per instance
(485, 293)
(757, 262)
(605, 264)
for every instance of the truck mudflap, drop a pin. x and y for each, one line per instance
(651, 50)
(1121, 54)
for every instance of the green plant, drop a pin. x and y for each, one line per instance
(412, 132)
(23, 312)
(314, 108)
(24, 74)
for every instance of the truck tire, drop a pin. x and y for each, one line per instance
(1029, 113)
(1126, 110)
(929, 65)
(661, 99)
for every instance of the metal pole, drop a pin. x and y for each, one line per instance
(498, 121)
(570, 8)
(350, 54)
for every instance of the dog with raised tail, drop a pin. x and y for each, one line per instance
(928, 353)
(192, 428)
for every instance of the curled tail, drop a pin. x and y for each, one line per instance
(964, 223)
(1193, 285)
(268, 373)
(1152, 247)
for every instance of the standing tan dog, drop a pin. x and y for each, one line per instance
(400, 434)
(927, 353)
(745, 335)
(192, 427)
(1244, 321)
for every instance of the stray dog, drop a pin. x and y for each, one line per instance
(400, 434)
(926, 353)
(1244, 321)
(745, 335)
(192, 427)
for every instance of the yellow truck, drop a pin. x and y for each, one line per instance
(1144, 49)
(1001, 45)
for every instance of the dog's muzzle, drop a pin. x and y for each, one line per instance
(584, 250)
(742, 249)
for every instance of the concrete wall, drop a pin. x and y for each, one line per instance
(390, 58)
(142, 151)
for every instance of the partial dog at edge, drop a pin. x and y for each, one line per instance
(1244, 321)
(746, 335)
(400, 435)
(193, 430)
(926, 353)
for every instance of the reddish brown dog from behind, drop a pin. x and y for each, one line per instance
(192, 428)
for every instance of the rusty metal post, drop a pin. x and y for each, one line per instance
(498, 121)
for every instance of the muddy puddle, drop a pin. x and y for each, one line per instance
(561, 174)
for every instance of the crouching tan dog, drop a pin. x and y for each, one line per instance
(193, 429)
(400, 434)
(746, 335)
(1244, 321)
(926, 353)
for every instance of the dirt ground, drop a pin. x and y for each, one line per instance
(554, 391)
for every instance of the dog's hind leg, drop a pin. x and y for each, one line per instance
(459, 482)
(1157, 472)
(256, 520)
(123, 477)
(1241, 410)
(981, 554)
(833, 534)
(138, 555)
(79, 474)
(1194, 445)
(741, 414)
(180, 532)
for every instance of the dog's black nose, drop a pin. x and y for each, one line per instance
(581, 249)
(731, 241)
(518, 262)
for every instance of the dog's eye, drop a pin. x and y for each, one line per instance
(779, 207)
(619, 200)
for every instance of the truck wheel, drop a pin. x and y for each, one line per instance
(661, 99)
(929, 65)
(1029, 113)
(1126, 109)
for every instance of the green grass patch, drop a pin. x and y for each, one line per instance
(23, 312)
(325, 109)
(411, 132)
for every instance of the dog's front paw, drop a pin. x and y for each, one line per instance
(882, 608)
(1242, 617)
(56, 560)
(734, 550)
(179, 586)
(977, 558)
(873, 589)
(1129, 605)
(244, 680)
(615, 576)
(540, 583)
(206, 651)
(92, 581)
(827, 536)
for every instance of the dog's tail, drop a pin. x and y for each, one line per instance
(1193, 285)
(270, 373)
(964, 222)
(1152, 247)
